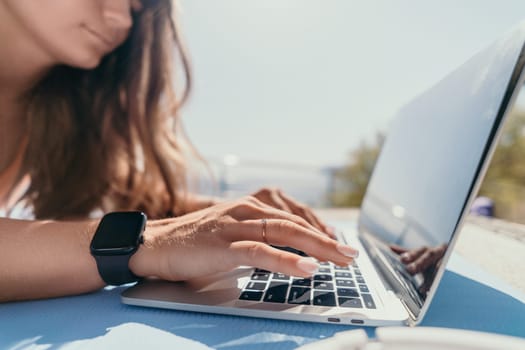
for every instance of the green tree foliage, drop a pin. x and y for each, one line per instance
(504, 182)
(351, 180)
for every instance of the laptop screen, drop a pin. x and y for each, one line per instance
(432, 159)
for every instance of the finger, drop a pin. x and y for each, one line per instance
(424, 261)
(266, 257)
(277, 199)
(286, 233)
(309, 216)
(412, 255)
(312, 220)
(253, 211)
(323, 227)
(303, 211)
(397, 249)
(272, 199)
(279, 202)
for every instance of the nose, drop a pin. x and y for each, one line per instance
(117, 15)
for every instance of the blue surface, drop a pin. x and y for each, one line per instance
(459, 303)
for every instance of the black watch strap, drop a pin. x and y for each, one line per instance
(114, 269)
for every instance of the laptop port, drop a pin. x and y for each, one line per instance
(357, 321)
(334, 319)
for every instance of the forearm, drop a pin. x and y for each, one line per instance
(43, 259)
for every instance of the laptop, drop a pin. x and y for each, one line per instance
(430, 167)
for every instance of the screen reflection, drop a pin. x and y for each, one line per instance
(430, 162)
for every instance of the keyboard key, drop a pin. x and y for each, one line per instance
(363, 288)
(343, 274)
(323, 285)
(324, 263)
(344, 283)
(324, 298)
(280, 276)
(306, 282)
(250, 295)
(360, 279)
(369, 302)
(261, 270)
(255, 285)
(260, 276)
(342, 268)
(347, 292)
(322, 277)
(357, 272)
(299, 295)
(350, 302)
(276, 293)
(324, 270)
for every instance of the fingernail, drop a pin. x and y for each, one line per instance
(405, 256)
(309, 265)
(348, 251)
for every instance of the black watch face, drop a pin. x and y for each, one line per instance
(119, 230)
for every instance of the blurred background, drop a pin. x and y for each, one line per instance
(298, 94)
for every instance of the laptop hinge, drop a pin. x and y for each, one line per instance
(405, 292)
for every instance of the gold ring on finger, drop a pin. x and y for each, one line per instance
(263, 222)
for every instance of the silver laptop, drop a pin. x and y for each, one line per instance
(429, 170)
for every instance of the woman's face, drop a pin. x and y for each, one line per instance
(72, 32)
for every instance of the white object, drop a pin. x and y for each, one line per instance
(428, 338)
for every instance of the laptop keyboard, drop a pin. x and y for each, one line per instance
(330, 286)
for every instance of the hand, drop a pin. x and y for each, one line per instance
(420, 259)
(230, 234)
(277, 199)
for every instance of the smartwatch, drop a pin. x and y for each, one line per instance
(117, 238)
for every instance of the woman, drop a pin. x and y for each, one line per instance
(89, 125)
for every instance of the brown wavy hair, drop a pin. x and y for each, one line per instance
(110, 138)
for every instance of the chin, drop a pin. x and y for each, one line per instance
(85, 61)
(90, 63)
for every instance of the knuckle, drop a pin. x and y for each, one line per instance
(285, 226)
(253, 252)
(265, 191)
(253, 200)
(245, 206)
(281, 260)
(242, 206)
(302, 209)
(223, 222)
(268, 192)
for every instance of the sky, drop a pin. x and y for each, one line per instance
(304, 82)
